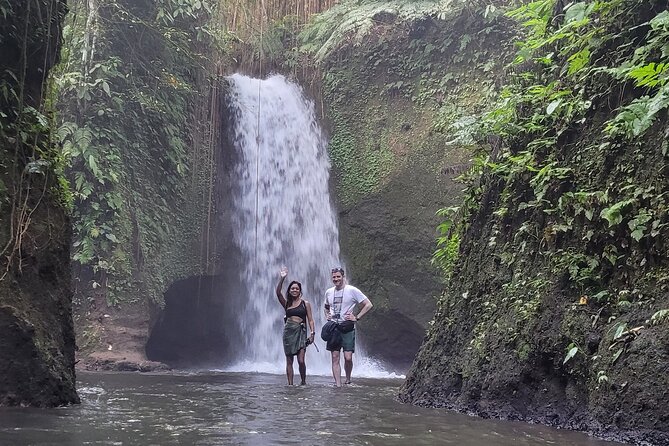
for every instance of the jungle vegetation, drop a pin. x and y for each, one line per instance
(551, 87)
(562, 149)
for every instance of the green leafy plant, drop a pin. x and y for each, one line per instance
(660, 317)
(448, 242)
(350, 21)
(614, 214)
(126, 127)
(636, 118)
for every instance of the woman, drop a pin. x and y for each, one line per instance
(298, 312)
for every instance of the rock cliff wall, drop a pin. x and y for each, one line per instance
(398, 103)
(36, 331)
(139, 116)
(556, 309)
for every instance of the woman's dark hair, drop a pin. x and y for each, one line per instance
(289, 298)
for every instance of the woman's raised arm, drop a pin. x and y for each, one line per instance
(283, 273)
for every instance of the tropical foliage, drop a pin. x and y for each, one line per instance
(423, 56)
(126, 87)
(31, 181)
(348, 22)
(575, 188)
(572, 70)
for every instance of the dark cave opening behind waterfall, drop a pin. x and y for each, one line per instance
(197, 327)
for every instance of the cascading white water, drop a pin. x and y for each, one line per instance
(282, 215)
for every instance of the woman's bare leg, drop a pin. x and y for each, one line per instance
(302, 366)
(289, 369)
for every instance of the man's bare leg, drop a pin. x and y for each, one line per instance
(336, 368)
(348, 366)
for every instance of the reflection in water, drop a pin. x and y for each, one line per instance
(254, 409)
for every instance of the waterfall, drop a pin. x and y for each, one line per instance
(282, 215)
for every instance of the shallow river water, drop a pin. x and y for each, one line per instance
(257, 409)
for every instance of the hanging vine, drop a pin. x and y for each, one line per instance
(29, 161)
(130, 76)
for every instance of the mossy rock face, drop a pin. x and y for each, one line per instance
(552, 312)
(37, 362)
(503, 362)
(147, 215)
(394, 104)
(36, 332)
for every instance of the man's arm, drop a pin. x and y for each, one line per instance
(366, 306)
(361, 299)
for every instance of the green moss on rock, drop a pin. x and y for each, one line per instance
(36, 333)
(549, 317)
(396, 105)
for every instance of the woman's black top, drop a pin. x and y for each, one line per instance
(299, 311)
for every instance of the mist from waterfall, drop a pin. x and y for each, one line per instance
(282, 216)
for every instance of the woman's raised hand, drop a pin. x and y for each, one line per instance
(283, 272)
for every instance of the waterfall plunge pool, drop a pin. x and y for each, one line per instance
(210, 408)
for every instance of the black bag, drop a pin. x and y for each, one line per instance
(330, 333)
(346, 326)
(329, 330)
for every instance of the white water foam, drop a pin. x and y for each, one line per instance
(282, 216)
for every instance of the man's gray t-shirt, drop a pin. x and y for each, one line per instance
(343, 301)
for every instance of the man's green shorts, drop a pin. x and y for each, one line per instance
(347, 342)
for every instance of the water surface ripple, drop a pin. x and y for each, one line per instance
(257, 409)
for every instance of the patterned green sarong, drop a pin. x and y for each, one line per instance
(294, 337)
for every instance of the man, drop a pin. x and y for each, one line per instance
(340, 302)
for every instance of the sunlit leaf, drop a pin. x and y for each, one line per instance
(616, 355)
(553, 106)
(570, 354)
